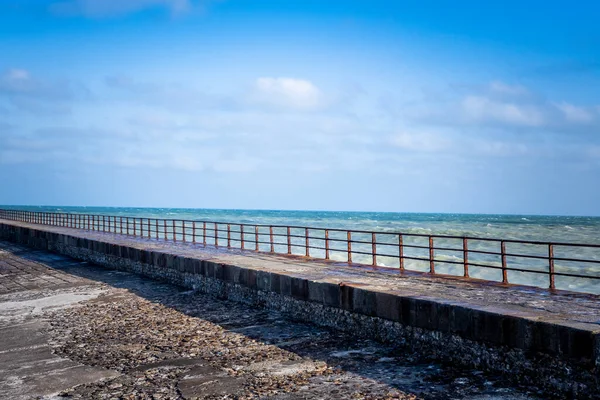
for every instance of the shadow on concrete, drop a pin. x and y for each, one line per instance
(357, 363)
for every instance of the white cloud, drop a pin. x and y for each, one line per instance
(501, 149)
(498, 106)
(482, 109)
(421, 141)
(112, 8)
(24, 91)
(17, 74)
(574, 113)
(506, 89)
(288, 92)
(17, 81)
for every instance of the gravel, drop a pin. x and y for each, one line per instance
(171, 344)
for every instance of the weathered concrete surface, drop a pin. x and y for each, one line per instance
(131, 337)
(28, 368)
(531, 335)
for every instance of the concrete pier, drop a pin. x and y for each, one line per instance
(529, 336)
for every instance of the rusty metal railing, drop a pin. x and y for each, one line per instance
(503, 260)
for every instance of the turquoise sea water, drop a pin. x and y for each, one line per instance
(585, 230)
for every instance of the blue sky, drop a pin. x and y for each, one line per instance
(424, 106)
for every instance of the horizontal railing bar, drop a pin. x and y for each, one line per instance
(492, 253)
(577, 275)
(575, 260)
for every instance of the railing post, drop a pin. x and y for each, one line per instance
(289, 241)
(204, 233)
(431, 256)
(127, 223)
(466, 257)
(228, 236)
(551, 266)
(401, 252)
(242, 236)
(307, 243)
(374, 247)
(183, 228)
(216, 234)
(327, 244)
(134, 227)
(256, 238)
(271, 239)
(165, 237)
(193, 231)
(121, 225)
(149, 230)
(174, 231)
(156, 227)
(503, 255)
(349, 240)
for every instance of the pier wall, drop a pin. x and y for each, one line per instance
(561, 355)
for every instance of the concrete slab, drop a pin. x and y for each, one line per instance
(28, 368)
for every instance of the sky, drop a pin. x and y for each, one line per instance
(409, 106)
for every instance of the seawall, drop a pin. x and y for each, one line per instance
(529, 335)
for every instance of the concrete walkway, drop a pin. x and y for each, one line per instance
(75, 330)
(28, 289)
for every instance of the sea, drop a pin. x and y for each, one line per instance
(555, 229)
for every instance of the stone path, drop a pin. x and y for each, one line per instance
(73, 330)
